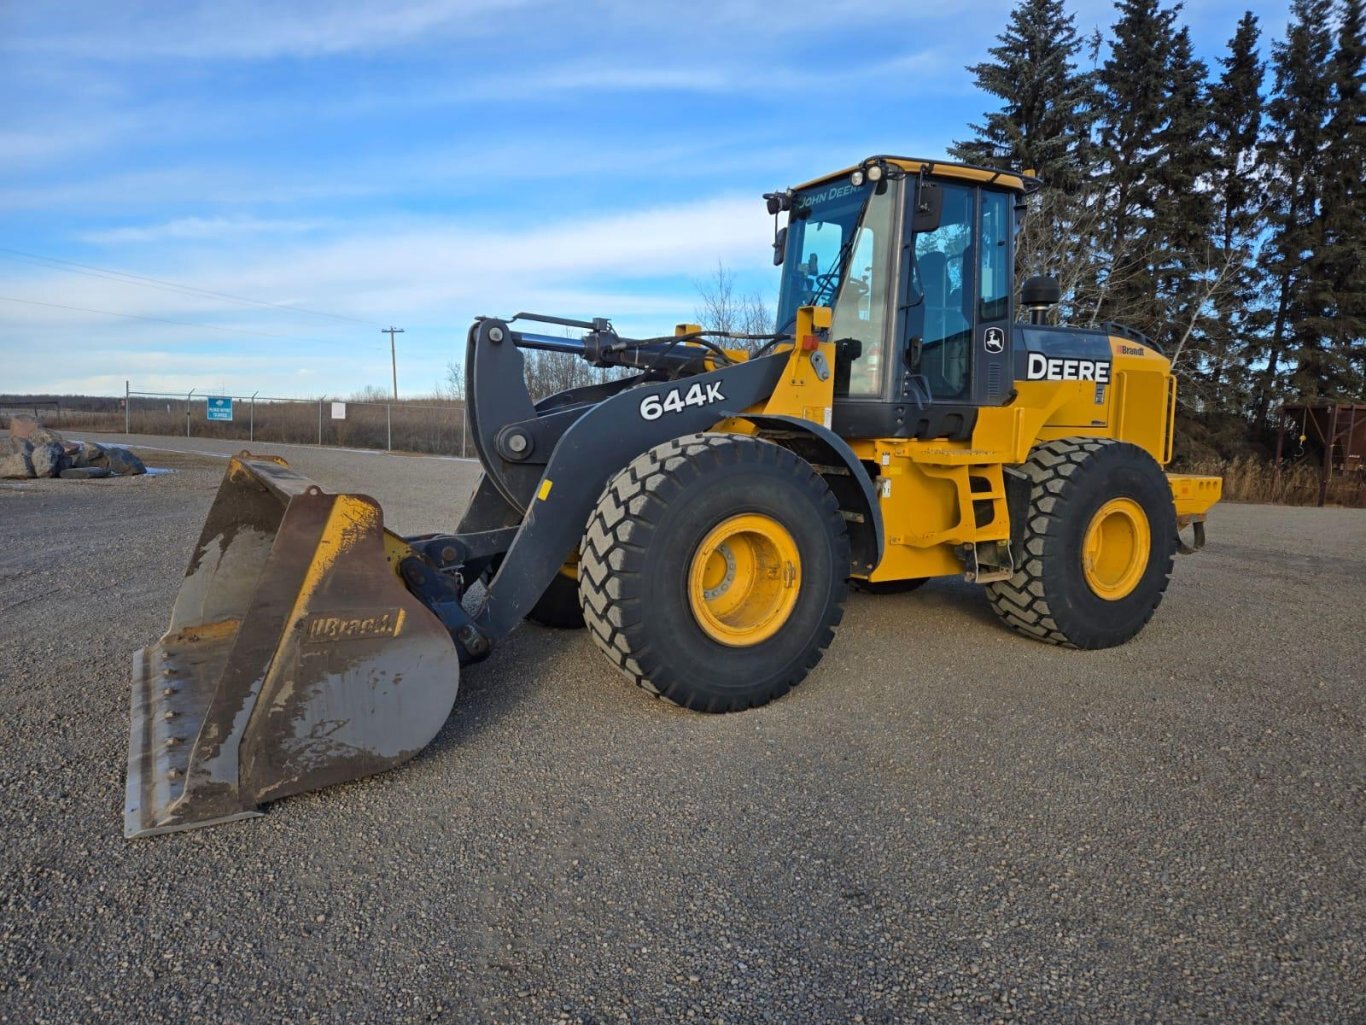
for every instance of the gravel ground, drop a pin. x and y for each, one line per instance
(944, 823)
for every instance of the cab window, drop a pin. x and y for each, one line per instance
(994, 287)
(859, 318)
(944, 260)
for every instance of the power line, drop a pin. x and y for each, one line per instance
(163, 320)
(141, 280)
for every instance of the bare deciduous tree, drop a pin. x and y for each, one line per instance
(545, 372)
(724, 308)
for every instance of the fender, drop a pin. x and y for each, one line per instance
(597, 445)
(857, 495)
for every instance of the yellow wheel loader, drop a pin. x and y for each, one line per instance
(703, 514)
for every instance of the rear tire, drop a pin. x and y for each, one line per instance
(1095, 553)
(558, 607)
(713, 571)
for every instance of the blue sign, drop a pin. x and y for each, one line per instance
(220, 407)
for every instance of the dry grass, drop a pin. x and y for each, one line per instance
(1252, 480)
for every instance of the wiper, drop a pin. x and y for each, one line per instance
(829, 281)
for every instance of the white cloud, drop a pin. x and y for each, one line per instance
(201, 229)
(633, 266)
(261, 29)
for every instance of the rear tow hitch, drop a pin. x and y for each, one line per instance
(1197, 525)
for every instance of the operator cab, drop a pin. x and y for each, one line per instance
(915, 260)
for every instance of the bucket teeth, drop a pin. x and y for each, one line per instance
(167, 708)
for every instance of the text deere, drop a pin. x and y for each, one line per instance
(1051, 368)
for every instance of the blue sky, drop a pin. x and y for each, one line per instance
(419, 163)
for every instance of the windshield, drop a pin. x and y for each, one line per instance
(820, 229)
(839, 254)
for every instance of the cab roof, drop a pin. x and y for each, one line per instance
(939, 169)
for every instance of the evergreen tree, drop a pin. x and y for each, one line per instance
(1235, 125)
(1043, 123)
(1337, 369)
(1186, 267)
(1230, 227)
(1296, 145)
(1132, 110)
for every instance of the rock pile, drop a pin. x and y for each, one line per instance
(35, 451)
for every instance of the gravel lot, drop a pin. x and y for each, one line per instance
(944, 823)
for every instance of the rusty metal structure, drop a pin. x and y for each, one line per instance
(1336, 429)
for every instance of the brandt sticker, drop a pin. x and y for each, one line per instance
(347, 626)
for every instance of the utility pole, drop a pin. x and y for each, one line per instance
(393, 359)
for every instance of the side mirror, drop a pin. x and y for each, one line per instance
(779, 245)
(929, 207)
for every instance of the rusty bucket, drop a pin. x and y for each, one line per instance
(295, 658)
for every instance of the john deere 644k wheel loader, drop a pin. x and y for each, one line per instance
(702, 515)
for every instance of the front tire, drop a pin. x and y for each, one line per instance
(713, 571)
(1096, 550)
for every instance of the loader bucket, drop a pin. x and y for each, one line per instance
(295, 658)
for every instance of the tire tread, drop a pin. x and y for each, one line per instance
(1022, 602)
(619, 531)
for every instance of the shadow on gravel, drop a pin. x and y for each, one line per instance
(968, 600)
(949, 594)
(488, 692)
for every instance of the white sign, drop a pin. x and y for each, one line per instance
(339, 411)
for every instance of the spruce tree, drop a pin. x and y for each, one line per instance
(1153, 260)
(1296, 146)
(1235, 102)
(1042, 124)
(1186, 268)
(1337, 368)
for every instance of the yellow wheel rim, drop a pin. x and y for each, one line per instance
(1115, 552)
(744, 580)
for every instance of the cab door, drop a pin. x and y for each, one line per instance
(944, 279)
(961, 307)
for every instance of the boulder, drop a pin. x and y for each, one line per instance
(22, 426)
(121, 461)
(48, 459)
(16, 466)
(84, 473)
(84, 453)
(26, 427)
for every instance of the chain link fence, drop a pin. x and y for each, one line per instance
(436, 426)
(432, 425)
